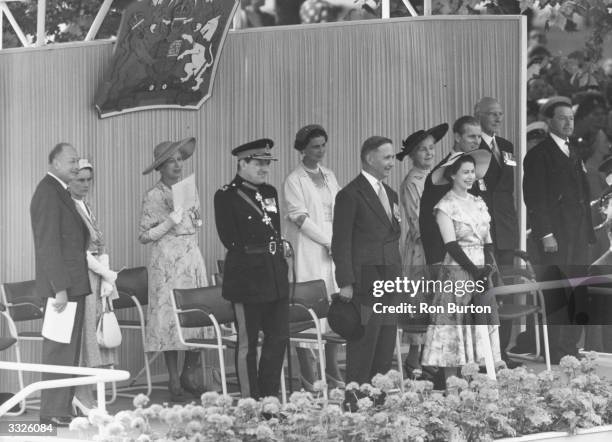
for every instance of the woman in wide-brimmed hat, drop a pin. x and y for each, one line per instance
(452, 339)
(420, 148)
(175, 262)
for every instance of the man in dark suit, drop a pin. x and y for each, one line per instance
(365, 248)
(467, 133)
(498, 193)
(60, 243)
(498, 189)
(557, 197)
(255, 274)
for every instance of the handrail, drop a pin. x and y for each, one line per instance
(546, 285)
(88, 376)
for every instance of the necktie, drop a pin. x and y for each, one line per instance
(495, 150)
(384, 200)
(567, 151)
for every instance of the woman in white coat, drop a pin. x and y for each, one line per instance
(309, 194)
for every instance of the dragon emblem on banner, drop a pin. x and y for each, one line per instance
(166, 55)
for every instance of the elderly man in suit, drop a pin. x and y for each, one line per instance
(365, 248)
(468, 135)
(498, 189)
(60, 243)
(498, 193)
(557, 197)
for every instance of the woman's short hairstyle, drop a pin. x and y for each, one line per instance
(307, 133)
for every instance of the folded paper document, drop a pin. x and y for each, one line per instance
(58, 326)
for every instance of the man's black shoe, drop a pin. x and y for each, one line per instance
(58, 421)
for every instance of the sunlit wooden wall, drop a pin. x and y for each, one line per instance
(356, 79)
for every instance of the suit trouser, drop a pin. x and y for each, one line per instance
(371, 354)
(56, 402)
(273, 319)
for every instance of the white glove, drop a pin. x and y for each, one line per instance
(106, 288)
(177, 215)
(99, 265)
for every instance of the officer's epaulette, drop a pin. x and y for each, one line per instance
(228, 186)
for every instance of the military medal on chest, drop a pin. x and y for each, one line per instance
(266, 207)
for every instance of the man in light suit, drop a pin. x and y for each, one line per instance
(60, 243)
(556, 194)
(365, 248)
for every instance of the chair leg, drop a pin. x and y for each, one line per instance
(283, 386)
(536, 324)
(220, 352)
(22, 404)
(113, 397)
(546, 345)
(398, 349)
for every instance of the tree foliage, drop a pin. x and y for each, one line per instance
(65, 20)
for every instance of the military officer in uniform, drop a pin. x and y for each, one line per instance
(255, 276)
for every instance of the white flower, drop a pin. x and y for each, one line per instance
(185, 415)
(79, 424)
(319, 385)
(141, 401)
(138, 424)
(336, 395)
(224, 401)
(364, 403)
(382, 382)
(380, 418)
(194, 427)
(263, 432)
(153, 411)
(124, 418)
(143, 438)
(114, 429)
(352, 386)
(172, 418)
(98, 417)
(395, 376)
(333, 410)
(209, 398)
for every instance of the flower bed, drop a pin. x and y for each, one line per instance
(474, 408)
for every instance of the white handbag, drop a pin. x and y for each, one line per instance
(108, 332)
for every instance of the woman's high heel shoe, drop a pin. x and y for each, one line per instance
(78, 408)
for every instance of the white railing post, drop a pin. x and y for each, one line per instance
(100, 16)
(41, 35)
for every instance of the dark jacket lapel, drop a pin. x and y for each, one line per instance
(371, 198)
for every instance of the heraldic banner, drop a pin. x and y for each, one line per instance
(166, 55)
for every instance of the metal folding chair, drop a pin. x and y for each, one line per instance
(7, 342)
(534, 306)
(205, 307)
(133, 289)
(22, 304)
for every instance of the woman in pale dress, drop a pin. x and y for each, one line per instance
(175, 262)
(420, 148)
(310, 192)
(102, 282)
(453, 339)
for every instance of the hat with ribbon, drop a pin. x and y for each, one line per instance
(257, 150)
(163, 151)
(85, 164)
(481, 158)
(410, 143)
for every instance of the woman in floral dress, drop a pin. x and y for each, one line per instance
(175, 262)
(452, 339)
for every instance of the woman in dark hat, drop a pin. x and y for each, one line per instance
(175, 262)
(309, 194)
(453, 339)
(420, 148)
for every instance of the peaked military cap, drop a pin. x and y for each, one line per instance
(258, 150)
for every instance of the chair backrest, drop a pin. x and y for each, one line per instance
(313, 295)
(132, 282)
(22, 301)
(203, 301)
